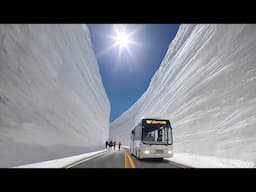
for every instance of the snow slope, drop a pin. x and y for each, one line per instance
(206, 86)
(52, 100)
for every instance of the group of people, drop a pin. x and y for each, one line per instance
(110, 144)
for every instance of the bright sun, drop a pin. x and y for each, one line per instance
(122, 38)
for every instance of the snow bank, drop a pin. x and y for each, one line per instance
(197, 161)
(52, 100)
(61, 163)
(206, 86)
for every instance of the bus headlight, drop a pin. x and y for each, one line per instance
(169, 152)
(146, 151)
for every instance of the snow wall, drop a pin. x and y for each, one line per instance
(52, 100)
(206, 87)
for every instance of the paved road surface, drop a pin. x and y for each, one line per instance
(123, 159)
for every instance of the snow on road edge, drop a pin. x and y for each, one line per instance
(60, 163)
(198, 161)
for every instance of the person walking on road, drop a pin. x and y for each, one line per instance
(119, 145)
(114, 145)
(106, 144)
(110, 144)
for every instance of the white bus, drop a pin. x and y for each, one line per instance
(152, 138)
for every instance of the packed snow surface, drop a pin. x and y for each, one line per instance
(66, 162)
(198, 161)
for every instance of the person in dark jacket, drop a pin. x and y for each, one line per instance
(106, 144)
(114, 143)
(119, 145)
(110, 144)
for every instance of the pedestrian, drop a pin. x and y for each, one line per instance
(119, 145)
(110, 144)
(106, 144)
(114, 145)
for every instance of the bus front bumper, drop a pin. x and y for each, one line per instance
(150, 154)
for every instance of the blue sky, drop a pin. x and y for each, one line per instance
(128, 61)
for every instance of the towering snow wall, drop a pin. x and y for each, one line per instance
(52, 100)
(206, 87)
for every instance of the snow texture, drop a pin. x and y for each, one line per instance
(52, 100)
(63, 162)
(198, 161)
(206, 87)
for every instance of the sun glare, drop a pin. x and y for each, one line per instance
(123, 39)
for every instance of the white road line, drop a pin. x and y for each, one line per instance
(178, 164)
(84, 160)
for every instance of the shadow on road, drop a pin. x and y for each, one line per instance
(153, 160)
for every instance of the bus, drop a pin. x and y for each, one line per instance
(152, 138)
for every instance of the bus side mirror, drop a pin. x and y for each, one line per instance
(132, 132)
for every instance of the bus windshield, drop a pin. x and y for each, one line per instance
(156, 132)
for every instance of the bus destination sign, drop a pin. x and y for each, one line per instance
(155, 122)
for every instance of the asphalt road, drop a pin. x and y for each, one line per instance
(123, 159)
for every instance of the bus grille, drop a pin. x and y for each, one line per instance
(159, 151)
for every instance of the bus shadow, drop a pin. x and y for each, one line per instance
(153, 160)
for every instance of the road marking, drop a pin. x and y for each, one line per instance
(85, 159)
(125, 160)
(178, 164)
(131, 161)
(127, 156)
